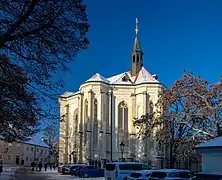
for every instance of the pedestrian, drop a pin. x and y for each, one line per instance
(54, 167)
(36, 165)
(50, 166)
(1, 167)
(33, 165)
(40, 166)
(45, 166)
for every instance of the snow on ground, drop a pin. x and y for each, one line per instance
(54, 175)
(8, 172)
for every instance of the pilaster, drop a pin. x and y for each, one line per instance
(90, 123)
(66, 134)
(101, 126)
(80, 129)
(132, 131)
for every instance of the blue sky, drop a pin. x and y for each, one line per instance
(174, 35)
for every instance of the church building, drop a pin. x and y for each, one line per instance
(99, 117)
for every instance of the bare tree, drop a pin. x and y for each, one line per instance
(51, 135)
(40, 37)
(184, 116)
(18, 107)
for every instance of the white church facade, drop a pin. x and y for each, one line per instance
(98, 117)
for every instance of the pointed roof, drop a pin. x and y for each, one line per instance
(97, 77)
(136, 46)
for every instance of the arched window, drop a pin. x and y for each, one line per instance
(75, 131)
(134, 58)
(123, 123)
(138, 58)
(86, 126)
(95, 124)
(75, 118)
(151, 107)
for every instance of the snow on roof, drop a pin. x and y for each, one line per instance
(68, 94)
(216, 142)
(97, 77)
(118, 79)
(144, 76)
(36, 142)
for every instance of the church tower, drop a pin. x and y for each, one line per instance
(137, 54)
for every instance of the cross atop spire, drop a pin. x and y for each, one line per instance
(136, 41)
(137, 26)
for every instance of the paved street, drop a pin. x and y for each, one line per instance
(27, 174)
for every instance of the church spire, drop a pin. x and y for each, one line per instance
(137, 54)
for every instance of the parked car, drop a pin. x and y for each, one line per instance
(171, 174)
(207, 176)
(91, 171)
(140, 175)
(73, 168)
(65, 169)
(77, 170)
(60, 168)
(120, 170)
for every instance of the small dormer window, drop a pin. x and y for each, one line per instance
(155, 76)
(124, 79)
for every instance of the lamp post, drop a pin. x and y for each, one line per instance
(122, 145)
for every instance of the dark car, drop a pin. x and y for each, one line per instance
(91, 171)
(60, 168)
(207, 176)
(77, 170)
(65, 169)
(73, 168)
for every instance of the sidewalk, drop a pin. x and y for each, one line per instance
(8, 172)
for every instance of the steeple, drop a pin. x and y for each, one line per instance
(137, 54)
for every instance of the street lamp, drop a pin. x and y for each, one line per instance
(122, 145)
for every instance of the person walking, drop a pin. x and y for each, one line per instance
(1, 167)
(50, 165)
(45, 166)
(33, 165)
(40, 166)
(54, 167)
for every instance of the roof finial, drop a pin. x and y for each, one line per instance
(137, 26)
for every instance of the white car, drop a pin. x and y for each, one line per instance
(171, 174)
(139, 175)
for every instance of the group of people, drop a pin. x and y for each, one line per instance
(39, 166)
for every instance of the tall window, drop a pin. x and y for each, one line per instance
(123, 123)
(75, 128)
(86, 123)
(95, 125)
(134, 58)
